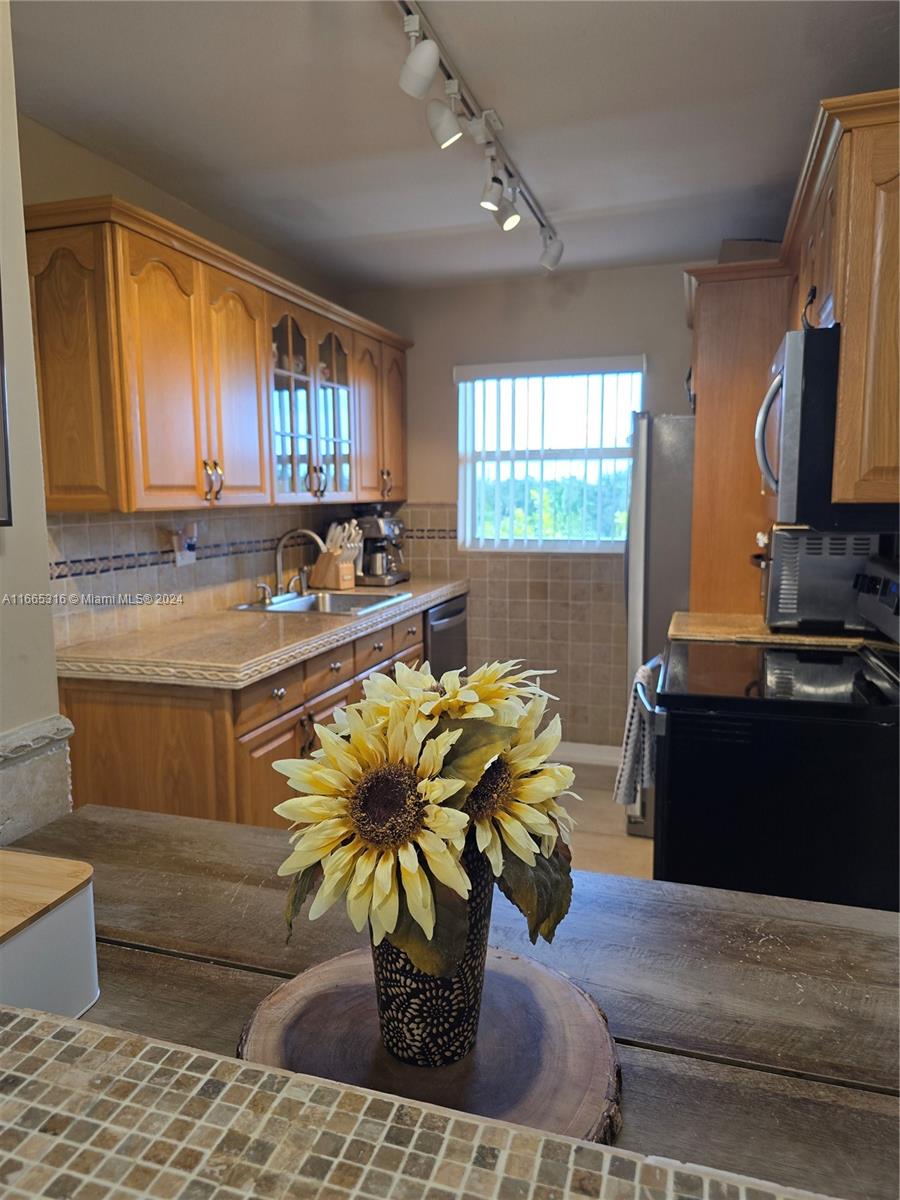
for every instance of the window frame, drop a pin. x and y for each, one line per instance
(467, 458)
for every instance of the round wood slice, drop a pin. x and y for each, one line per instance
(544, 1055)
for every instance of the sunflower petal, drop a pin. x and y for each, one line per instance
(419, 898)
(443, 865)
(445, 822)
(516, 838)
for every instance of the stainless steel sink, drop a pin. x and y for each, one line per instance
(345, 604)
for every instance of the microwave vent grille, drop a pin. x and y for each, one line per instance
(781, 683)
(789, 577)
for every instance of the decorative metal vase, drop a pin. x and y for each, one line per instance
(428, 1020)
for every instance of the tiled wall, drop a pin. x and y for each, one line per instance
(564, 612)
(114, 555)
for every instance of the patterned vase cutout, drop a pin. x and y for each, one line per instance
(431, 1021)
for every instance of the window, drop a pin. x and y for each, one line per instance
(545, 453)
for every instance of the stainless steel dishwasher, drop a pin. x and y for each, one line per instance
(446, 644)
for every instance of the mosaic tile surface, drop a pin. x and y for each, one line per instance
(88, 1114)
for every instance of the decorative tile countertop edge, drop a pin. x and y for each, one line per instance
(88, 1112)
(77, 662)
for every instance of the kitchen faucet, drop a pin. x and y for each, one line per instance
(279, 550)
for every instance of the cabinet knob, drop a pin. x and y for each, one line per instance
(378, 645)
(279, 693)
(335, 666)
(412, 631)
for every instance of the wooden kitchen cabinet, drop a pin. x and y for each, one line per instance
(842, 238)
(259, 786)
(380, 387)
(236, 361)
(334, 417)
(293, 339)
(393, 407)
(173, 374)
(866, 460)
(740, 314)
(208, 752)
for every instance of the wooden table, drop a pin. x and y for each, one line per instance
(756, 1034)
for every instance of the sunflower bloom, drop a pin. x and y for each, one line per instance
(496, 692)
(372, 814)
(514, 804)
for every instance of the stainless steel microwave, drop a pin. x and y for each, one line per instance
(795, 438)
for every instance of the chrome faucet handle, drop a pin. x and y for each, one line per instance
(302, 577)
(266, 593)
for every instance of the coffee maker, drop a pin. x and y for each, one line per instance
(380, 561)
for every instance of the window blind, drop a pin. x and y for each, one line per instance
(545, 453)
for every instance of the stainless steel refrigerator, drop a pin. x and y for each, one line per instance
(658, 549)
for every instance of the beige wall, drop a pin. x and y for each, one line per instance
(54, 168)
(33, 773)
(575, 314)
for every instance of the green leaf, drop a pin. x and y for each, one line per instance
(442, 955)
(541, 893)
(301, 886)
(479, 743)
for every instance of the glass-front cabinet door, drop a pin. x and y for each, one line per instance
(334, 413)
(295, 472)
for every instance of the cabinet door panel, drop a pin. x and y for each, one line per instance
(71, 275)
(393, 387)
(866, 460)
(291, 367)
(259, 786)
(236, 373)
(160, 333)
(335, 433)
(369, 418)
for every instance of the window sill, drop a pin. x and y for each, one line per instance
(601, 548)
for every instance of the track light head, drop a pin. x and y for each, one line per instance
(418, 72)
(492, 193)
(507, 215)
(552, 253)
(443, 123)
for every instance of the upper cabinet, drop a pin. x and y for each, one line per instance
(379, 373)
(172, 374)
(842, 239)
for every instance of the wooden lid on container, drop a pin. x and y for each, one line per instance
(33, 884)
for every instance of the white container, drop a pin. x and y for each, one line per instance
(48, 950)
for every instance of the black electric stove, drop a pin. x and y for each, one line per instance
(777, 771)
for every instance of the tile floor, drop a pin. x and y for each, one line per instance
(600, 842)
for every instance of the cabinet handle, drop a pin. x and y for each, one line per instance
(279, 693)
(378, 646)
(412, 631)
(383, 474)
(208, 472)
(335, 666)
(390, 483)
(221, 474)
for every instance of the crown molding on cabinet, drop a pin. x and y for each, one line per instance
(95, 210)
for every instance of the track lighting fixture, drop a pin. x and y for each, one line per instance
(461, 113)
(443, 123)
(507, 215)
(552, 252)
(419, 71)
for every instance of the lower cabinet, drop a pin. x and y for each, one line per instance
(209, 752)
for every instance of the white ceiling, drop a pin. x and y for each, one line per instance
(649, 130)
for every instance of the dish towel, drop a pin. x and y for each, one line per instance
(636, 768)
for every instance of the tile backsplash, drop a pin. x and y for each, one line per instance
(565, 612)
(101, 564)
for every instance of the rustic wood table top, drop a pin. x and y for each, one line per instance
(756, 1034)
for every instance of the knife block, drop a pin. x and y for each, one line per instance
(330, 574)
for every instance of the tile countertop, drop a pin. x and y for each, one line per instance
(88, 1113)
(230, 649)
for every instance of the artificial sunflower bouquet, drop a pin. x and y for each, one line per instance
(424, 794)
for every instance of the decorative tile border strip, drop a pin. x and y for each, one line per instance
(77, 567)
(430, 535)
(92, 1112)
